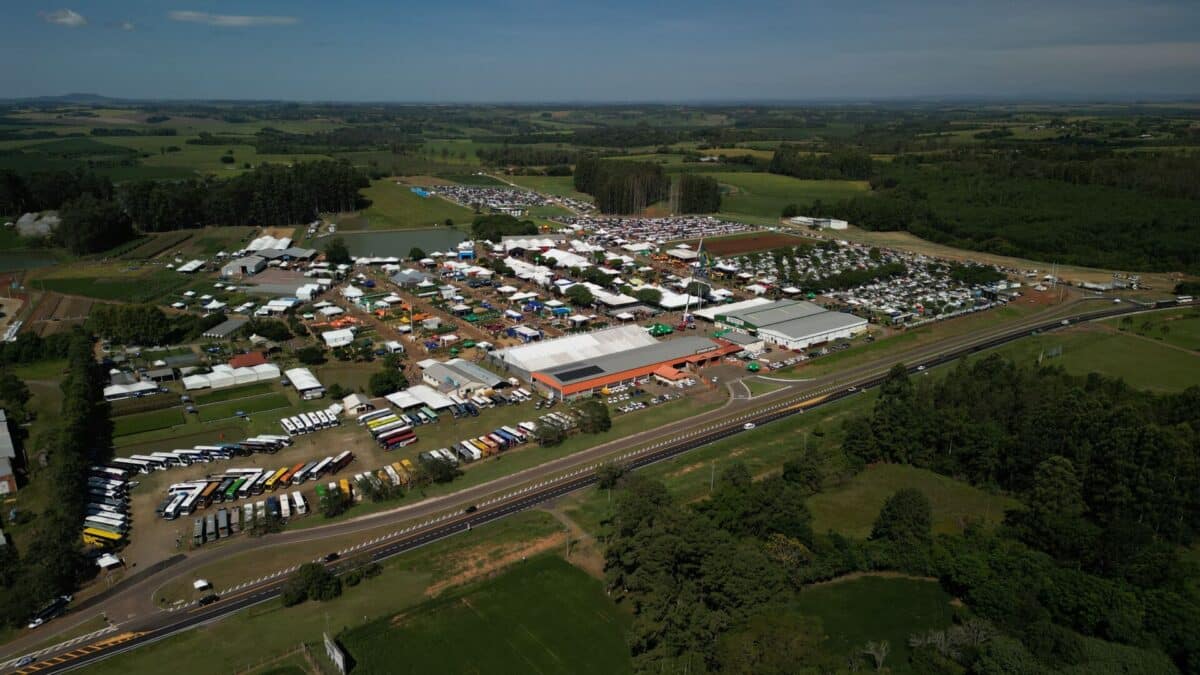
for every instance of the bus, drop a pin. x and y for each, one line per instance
(109, 473)
(189, 501)
(244, 490)
(210, 528)
(283, 441)
(288, 426)
(398, 440)
(132, 465)
(107, 523)
(429, 412)
(382, 421)
(321, 467)
(309, 423)
(340, 462)
(298, 504)
(374, 414)
(304, 473)
(247, 517)
(232, 492)
(291, 474)
(101, 538)
(274, 478)
(401, 428)
(222, 487)
(172, 510)
(155, 463)
(167, 458)
(390, 426)
(206, 495)
(285, 506)
(344, 486)
(321, 492)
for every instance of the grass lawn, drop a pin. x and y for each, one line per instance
(147, 421)
(473, 179)
(255, 634)
(871, 608)
(1181, 328)
(562, 186)
(759, 387)
(850, 509)
(765, 194)
(1144, 363)
(234, 392)
(542, 616)
(396, 207)
(132, 286)
(218, 411)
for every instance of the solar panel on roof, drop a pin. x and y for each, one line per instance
(579, 373)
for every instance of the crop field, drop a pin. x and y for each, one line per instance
(155, 244)
(873, 608)
(850, 509)
(55, 313)
(396, 207)
(249, 406)
(147, 421)
(543, 616)
(739, 244)
(128, 287)
(766, 194)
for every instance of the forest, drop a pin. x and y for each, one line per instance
(54, 564)
(1086, 577)
(621, 186)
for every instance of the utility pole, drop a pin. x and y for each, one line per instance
(712, 475)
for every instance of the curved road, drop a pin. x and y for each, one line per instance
(132, 606)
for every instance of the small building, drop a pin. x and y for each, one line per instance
(244, 267)
(338, 338)
(248, 360)
(8, 454)
(672, 377)
(407, 278)
(357, 403)
(159, 375)
(459, 376)
(190, 267)
(225, 329)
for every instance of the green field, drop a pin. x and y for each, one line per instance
(851, 509)
(396, 207)
(233, 392)
(764, 195)
(473, 179)
(543, 616)
(1180, 328)
(1143, 362)
(147, 421)
(127, 287)
(562, 186)
(249, 406)
(871, 608)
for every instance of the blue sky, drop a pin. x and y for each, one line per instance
(614, 50)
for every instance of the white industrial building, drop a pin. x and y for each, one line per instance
(820, 223)
(535, 356)
(338, 338)
(793, 324)
(306, 384)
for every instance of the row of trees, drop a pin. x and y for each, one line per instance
(621, 186)
(494, 226)
(147, 324)
(698, 194)
(53, 563)
(840, 164)
(510, 155)
(45, 190)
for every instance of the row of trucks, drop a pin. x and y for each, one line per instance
(227, 522)
(106, 519)
(234, 484)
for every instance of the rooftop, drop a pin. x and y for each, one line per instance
(630, 359)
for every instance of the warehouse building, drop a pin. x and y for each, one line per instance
(306, 384)
(526, 359)
(584, 377)
(793, 324)
(458, 376)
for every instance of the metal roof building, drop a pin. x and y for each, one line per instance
(306, 384)
(8, 452)
(460, 376)
(794, 324)
(586, 376)
(225, 328)
(544, 355)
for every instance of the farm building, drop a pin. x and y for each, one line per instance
(8, 453)
(190, 267)
(244, 267)
(583, 377)
(224, 329)
(306, 384)
(710, 313)
(523, 360)
(794, 324)
(458, 376)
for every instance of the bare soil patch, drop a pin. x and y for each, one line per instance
(738, 245)
(480, 562)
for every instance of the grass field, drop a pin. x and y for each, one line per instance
(473, 179)
(1143, 362)
(396, 207)
(870, 608)
(562, 186)
(1181, 328)
(249, 406)
(253, 635)
(542, 616)
(850, 509)
(765, 194)
(147, 421)
(233, 392)
(138, 286)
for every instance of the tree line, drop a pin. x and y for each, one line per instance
(148, 325)
(698, 194)
(1081, 578)
(497, 225)
(509, 155)
(621, 186)
(53, 563)
(840, 164)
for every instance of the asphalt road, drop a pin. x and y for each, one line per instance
(149, 624)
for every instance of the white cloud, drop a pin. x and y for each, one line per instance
(65, 17)
(127, 26)
(231, 20)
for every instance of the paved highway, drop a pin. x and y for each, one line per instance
(533, 487)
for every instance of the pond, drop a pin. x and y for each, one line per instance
(12, 261)
(399, 242)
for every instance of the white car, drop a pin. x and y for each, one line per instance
(749, 425)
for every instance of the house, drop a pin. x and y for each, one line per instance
(248, 360)
(8, 454)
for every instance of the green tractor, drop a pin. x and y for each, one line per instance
(753, 366)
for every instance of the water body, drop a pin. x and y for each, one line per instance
(13, 261)
(399, 242)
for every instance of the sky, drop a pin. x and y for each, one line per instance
(612, 50)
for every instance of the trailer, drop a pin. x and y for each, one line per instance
(222, 523)
(210, 528)
(285, 507)
(260, 511)
(233, 520)
(198, 533)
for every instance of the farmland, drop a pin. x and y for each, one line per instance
(764, 195)
(396, 207)
(555, 619)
